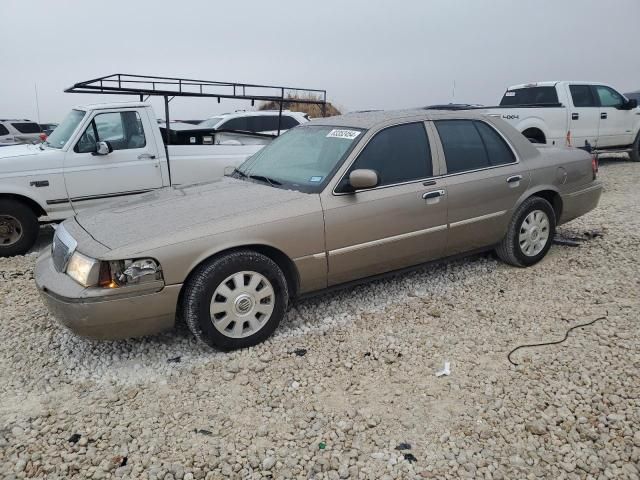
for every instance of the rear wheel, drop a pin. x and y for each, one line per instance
(635, 150)
(530, 233)
(236, 300)
(18, 228)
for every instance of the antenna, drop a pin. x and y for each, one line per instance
(453, 95)
(35, 87)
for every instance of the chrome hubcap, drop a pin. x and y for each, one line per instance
(534, 233)
(10, 230)
(242, 304)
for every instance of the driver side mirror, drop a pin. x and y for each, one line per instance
(630, 104)
(103, 148)
(363, 178)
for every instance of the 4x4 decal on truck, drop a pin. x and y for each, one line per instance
(511, 117)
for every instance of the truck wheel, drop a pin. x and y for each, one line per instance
(18, 228)
(635, 150)
(530, 233)
(236, 300)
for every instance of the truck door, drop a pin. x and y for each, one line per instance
(584, 116)
(615, 123)
(132, 166)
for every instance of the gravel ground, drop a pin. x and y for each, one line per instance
(347, 388)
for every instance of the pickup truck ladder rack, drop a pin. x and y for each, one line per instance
(171, 87)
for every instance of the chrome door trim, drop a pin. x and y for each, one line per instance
(477, 219)
(382, 241)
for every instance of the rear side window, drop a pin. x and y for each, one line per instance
(530, 96)
(582, 96)
(3, 130)
(398, 154)
(471, 145)
(26, 127)
(462, 144)
(498, 151)
(269, 123)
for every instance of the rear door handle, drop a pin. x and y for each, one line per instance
(433, 194)
(575, 116)
(603, 115)
(146, 156)
(514, 178)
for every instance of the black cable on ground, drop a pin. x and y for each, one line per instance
(566, 335)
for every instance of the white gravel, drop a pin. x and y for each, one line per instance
(362, 381)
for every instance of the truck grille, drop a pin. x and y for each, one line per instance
(62, 248)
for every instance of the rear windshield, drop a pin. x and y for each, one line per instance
(26, 127)
(530, 96)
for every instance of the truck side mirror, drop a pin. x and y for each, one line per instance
(103, 148)
(632, 103)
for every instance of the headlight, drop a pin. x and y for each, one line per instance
(112, 274)
(130, 272)
(84, 270)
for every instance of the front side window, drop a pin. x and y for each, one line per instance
(582, 96)
(123, 130)
(61, 135)
(397, 154)
(304, 158)
(239, 123)
(609, 97)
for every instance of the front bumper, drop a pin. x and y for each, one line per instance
(111, 316)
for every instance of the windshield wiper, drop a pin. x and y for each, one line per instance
(237, 171)
(262, 178)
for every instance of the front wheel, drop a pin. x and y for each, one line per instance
(530, 233)
(236, 300)
(18, 228)
(635, 150)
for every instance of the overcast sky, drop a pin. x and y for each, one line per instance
(365, 53)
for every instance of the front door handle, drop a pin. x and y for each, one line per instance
(433, 194)
(146, 156)
(603, 115)
(514, 178)
(575, 116)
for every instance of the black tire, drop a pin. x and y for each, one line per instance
(23, 221)
(510, 250)
(203, 283)
(634, 155)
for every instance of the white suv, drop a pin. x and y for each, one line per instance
(13, 132)
(261, 121)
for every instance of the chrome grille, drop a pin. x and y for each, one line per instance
(62, 248)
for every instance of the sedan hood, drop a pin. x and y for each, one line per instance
(171, 213)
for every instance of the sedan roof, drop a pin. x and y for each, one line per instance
(375, 118)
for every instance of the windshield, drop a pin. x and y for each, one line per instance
(210, 122)
(304, 158)
(61, 135)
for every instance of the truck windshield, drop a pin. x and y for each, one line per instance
(304, 158)
(530, 96)
(61, 135)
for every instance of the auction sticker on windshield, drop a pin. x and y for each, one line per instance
(341, 133)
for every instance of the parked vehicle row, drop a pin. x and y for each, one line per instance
(333, 201)
(17, 131)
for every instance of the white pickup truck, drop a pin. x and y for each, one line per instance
(97, 154)
(581, 114)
